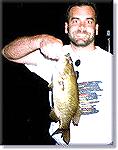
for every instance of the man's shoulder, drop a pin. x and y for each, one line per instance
(102, 51)
(65, 47)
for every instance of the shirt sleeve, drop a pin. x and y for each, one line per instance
(43, 68)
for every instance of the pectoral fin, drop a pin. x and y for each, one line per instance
(76, 117)
(53, 116)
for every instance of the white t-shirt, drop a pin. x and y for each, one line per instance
(95, 87)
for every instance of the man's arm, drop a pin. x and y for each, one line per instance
(22, 48)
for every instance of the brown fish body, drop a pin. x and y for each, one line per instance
(65, 97)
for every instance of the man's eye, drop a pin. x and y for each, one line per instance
(75, 21)
(90, 21)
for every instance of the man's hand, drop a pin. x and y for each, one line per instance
(51, 47)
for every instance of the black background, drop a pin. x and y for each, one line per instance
(25, 95)
(23, 18)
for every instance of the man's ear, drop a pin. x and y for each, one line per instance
(96, 28)
(66, 27)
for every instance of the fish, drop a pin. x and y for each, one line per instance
(65, 97)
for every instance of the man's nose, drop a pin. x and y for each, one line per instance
(82, 25)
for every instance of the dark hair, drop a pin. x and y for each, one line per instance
(81, 3)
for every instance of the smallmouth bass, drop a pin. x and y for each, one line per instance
(65, 97)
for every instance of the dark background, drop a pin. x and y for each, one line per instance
(23, 18)
(25, 95)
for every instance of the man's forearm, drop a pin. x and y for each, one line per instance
(21, 47)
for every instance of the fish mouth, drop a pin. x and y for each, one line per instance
(68, 58)
(67, 55)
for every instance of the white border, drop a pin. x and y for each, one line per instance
(116, 53)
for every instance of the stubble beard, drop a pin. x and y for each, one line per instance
(81, 43)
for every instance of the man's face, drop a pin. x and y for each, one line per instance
(81, 25)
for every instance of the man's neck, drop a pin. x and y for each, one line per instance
(90, 47)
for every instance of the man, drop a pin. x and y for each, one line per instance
(40, 54)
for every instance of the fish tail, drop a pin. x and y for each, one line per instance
(57, 131)
(65, 134)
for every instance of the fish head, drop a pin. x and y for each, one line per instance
(66, 59)
(64, 73)
(67, 62)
